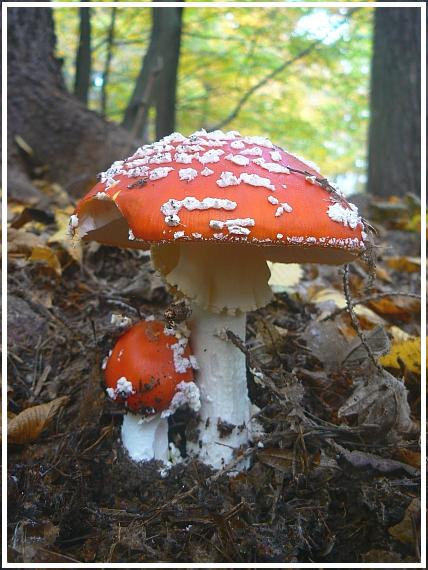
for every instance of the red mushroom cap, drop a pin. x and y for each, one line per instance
(145, 367)
(221, 187)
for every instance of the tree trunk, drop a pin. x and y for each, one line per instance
(73, 142)
(395, 124)
(82, 78)
(107, 65)
(166, 84)
(157, 80)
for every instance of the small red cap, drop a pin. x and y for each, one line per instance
(145, 367)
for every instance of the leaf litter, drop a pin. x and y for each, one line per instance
(334, 473)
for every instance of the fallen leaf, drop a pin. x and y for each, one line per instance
(399, 307)
(414, 223)
(371, 462)
(21, 241)
(284, 276)
(379, 398)
(398, 335)
(381, 556)
(32, 214)
(331, 299)
(281, 459)
(404, 531)
(376, 339)
(325, 341)
(404, 263)
(28, 425)
(407, 352)
(44, 254)
(61, 237)
(409, 456)
(382, 274)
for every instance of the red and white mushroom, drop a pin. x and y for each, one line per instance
(150, 372)
(214, 207)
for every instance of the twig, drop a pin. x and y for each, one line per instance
(41, 381)
(105, 431)
(354, 319)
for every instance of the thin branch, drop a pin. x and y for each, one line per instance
(313, 46)
(354, 319)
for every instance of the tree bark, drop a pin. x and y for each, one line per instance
(82, 79)
(107, 65)
(395, 102)
(157, 81)
(73, 142)
(166, 84)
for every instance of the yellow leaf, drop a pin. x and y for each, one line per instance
(407, 264)
(28, 425)
(45, 255)
(414, 223)
(409, 352)
(284, 276)
(61, 237)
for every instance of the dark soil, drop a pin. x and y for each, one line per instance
(73, 495)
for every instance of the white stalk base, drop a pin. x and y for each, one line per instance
(145, 438)
(222, 380)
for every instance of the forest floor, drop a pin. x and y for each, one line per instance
(335, 474)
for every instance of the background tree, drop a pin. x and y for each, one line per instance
(61, 133)
(315, 106)
(107, 66)
(395, 103)
(156, 83)
(82, 78)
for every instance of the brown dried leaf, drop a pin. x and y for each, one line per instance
(22, 242)
(379, 398)
(409, 456)
(28, 425)
(403, 308)
(371, 462)
(281, 459)
(404, 263)
(404, 531)
(376, 339)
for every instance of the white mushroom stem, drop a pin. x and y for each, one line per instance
(219, 281)
(222, 380)
(145, 438)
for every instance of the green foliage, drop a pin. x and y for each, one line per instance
(317, 106)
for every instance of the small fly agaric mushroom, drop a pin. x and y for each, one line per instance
(149, 370)
(215, 207)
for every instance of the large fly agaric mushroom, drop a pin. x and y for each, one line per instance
(149, 370)
(214, 207)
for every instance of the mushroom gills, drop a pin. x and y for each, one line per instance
(102, 221)
(228, 278)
